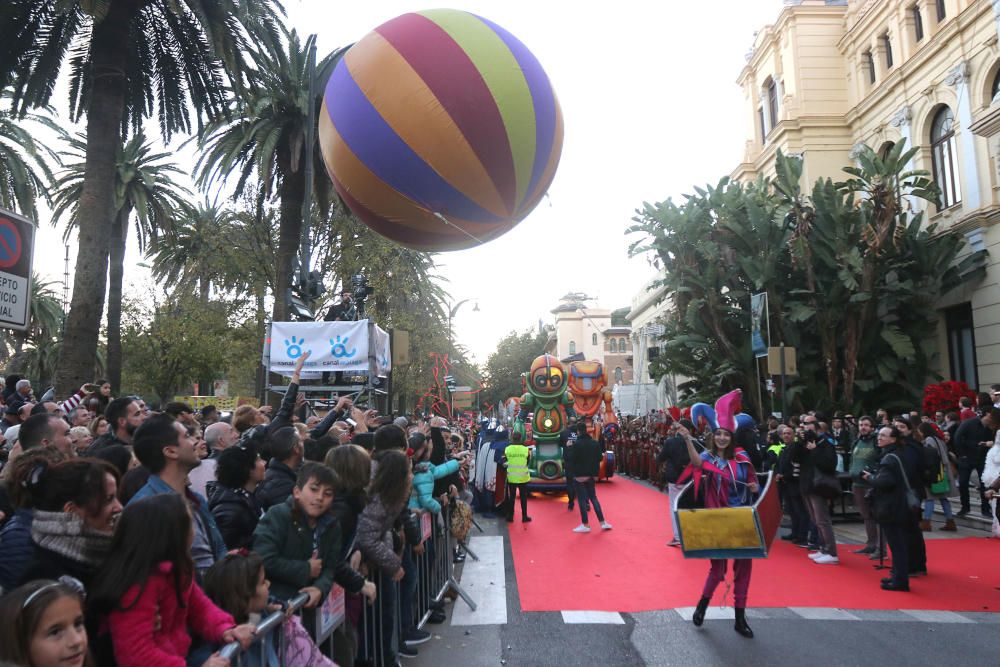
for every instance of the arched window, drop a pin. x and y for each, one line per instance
(621, 345)
(572, 347)
(593, 339)
(944, 158)
(614, 346)
(995, 86)
(618, 374)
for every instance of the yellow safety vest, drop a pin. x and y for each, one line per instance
(517, 464)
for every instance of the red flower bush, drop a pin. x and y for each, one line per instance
(944, 396)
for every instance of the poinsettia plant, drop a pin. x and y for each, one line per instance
(944, 396)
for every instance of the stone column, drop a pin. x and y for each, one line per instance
(958, 78)
(901, 120)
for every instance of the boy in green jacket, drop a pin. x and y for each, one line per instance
(299, 540)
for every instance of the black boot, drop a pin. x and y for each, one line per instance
(741, 624)
(699, 612)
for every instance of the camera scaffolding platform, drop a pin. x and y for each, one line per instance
(361, 383)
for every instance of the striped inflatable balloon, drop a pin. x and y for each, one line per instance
(440, 130)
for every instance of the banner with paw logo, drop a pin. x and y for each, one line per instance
(332, 346)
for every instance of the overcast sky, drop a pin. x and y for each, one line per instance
(651, 108)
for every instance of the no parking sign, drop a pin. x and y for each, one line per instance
(17, 240)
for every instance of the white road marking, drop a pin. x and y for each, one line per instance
(932, 616)
(484, 581)
(602, 617)
(824, 614)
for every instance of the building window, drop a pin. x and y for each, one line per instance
(572, 347)
(941, 12)
(995, 88)
(944, 158)
(962, 344)
(619, 376)
(772, 102)
(621, 345)
(887, 45)
(614, 346)
(918, 23)
(870, 64)
(593, 339)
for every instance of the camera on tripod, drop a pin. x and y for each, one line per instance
(361, 290)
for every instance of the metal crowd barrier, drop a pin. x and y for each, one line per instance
(270, 635)
(435, 575)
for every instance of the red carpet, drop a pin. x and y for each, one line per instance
(631, 569)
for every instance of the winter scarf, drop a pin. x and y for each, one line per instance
(66, 534)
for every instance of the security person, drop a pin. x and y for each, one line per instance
(516, 457)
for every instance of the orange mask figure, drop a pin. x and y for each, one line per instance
(588, 386)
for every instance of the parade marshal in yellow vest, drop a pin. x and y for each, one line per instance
(517, 464)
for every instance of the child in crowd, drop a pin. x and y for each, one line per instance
(146, 591)
(299, 540)
(239, 585)
(41, 625)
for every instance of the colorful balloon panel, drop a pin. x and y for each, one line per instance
(440, 113)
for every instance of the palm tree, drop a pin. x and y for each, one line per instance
(188, 256)
(265, 138)
(24, 162)
(145, 186)
(126, 58)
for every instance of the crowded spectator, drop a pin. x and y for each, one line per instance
(352, 467)
(943, 479)
(42, 625)
(673, 456)
(287, 453)
(120, 456)
(147, 595)
(972, 438)
(80, 439)
(231, 498)
(16, 546)
(238, 584)
(76, 508)
(299, 539)
(218, 437)
(892, 506)
(864, 456)
(164, 447)
(98, 427)
(124, 416)
(817, 456)
(45, 430)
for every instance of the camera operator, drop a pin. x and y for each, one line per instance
(343, 311)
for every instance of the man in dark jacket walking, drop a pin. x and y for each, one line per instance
(584, 460)
(674, 457)
(972, 439)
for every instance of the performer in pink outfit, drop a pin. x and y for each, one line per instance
(729, 480)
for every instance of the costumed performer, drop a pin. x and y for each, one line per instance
(730, 481)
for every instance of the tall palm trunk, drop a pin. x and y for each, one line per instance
(116, 275)
(293, 187)
(109, 53)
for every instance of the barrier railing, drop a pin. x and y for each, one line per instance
(380, 626)
(270, 639)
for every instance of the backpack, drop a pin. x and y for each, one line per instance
(461, 519)
(930, 464)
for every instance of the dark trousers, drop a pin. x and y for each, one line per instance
(965, 467)
(800, 515)
(916, 550)
(512, 491)
(586, 495)
(570, 490)
(408, 589)
(896, 539)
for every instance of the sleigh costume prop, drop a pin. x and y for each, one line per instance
(707, 526)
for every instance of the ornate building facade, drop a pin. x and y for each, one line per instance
(832, 75)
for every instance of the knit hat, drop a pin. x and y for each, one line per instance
(401, 422)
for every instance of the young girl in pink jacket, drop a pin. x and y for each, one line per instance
(146, 594)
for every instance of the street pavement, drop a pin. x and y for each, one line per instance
(504, 635)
